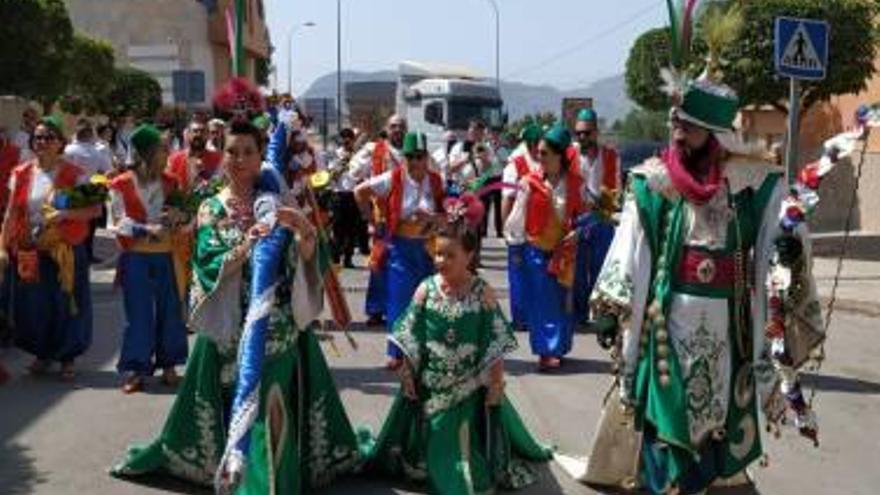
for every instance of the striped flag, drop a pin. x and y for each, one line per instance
(681, 20)
(235, 35)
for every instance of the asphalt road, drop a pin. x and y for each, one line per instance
(58, 438)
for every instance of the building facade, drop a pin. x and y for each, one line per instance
(182, 43)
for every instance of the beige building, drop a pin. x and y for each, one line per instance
(167, 36)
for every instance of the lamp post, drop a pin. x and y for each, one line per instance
(494, 4)
(290, 34)
(338, 65)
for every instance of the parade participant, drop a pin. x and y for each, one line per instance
(300, 436)
(22, 137)
(216, 133)
(451, 424)
(347, 221)
(372, 160)
(440, 157)
(155, 334)
(543, 218)
(195, 164)
(10, 156)
(44, 240)
(600, 168)
(682, 298)
(523, 161)
(89, 155)
(414, 196)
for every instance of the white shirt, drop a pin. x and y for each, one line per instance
(90, 156)
(361, 166)
(416, 196)
(152, 197)
(342, 160)
(592, 171)
(22, 140)
(471, 170)
(510, 174)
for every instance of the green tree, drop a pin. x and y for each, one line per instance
(748, 61)
(90, 72)
(643, 125)
(542, 119)
(37, 36)
(134, 92)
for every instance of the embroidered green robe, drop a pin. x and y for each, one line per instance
(302, 437)
(449, 437)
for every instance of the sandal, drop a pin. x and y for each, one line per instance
(170, 378)
(68, 374)
(133, 383)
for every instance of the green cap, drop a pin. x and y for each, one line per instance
(709, 105)
(587, 115)
(144, 138)
(54, 121)
(414, 142)
(558, 138)
(531, 133)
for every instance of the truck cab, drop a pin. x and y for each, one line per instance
(438, 98)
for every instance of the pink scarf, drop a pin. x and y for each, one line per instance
(683, 179)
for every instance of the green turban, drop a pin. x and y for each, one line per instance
(558, 138)
(414, 142)
(587, 115)
(145, 138)
(531, 133)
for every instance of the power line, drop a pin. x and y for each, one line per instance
(568, 51)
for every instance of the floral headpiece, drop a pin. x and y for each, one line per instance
(238, 98)
(466, 209)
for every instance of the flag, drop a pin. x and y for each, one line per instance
(235, 35)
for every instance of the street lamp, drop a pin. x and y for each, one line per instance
(338, 65)
(290, 34)
(494, 5)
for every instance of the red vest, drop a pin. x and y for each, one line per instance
(9, 158)
(73, 232)
(178, 166)
(522, 166)
(610, 169)
(134, 208)
(395, 196)
(539, 209)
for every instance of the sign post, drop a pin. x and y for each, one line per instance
(801, 53)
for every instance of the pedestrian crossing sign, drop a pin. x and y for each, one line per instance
(801, 48)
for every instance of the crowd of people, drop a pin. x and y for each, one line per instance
(230, 232)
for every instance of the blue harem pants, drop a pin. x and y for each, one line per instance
(548, 306)
(407, 265)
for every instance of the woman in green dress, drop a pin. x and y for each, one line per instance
(300, 436)
(451, 423)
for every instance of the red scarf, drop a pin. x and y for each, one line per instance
(684, 181)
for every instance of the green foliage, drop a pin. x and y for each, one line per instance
(134, 92)
(37, 36)
(643, 125)
(543, 119)
(90, 70)
(853, 49)
(747, 62)
(651, 52)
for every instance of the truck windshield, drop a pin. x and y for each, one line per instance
(461, 112)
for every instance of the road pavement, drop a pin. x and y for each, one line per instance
(58, 438)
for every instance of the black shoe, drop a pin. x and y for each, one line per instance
(376, 321)
(348, 263)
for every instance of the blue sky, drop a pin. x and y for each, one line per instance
(566, 43)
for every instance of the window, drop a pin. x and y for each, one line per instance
(434, 113)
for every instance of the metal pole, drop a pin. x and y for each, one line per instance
(338, 65)
(290, 61)
(791, 155)
(497, 11)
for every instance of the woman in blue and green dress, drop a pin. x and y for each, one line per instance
(299, 435)
(451, 424)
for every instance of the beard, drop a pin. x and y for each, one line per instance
(198, 144)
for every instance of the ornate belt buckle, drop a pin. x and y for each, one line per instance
(706, 271)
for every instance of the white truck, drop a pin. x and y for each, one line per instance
(436, 98)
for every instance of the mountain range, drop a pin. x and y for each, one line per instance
(609, 94)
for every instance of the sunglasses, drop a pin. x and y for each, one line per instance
(418, 156)
(583, 133)
(45, 137)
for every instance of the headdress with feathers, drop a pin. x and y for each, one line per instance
(466, 210)
(238, 96)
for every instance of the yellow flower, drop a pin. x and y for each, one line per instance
(99, 180)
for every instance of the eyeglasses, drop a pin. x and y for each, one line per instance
(45, 137)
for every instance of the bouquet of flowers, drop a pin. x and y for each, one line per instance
(188, 203)
(94, 192)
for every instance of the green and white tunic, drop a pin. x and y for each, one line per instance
(302, 437)
(687, 282)
(449, 437)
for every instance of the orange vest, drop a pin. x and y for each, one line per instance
(178, 166)
(610, 170)
(395, 196)
(131, 201)
(73, 232)
(544, 228)
(522, 166)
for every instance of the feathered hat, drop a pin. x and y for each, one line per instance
(466, 209)
(238, 98)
